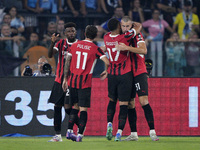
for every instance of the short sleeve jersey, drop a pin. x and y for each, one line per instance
(84, 54)
(62, 47)
(120, 62)
(138, 60)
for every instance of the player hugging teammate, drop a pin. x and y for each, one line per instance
(118, 86)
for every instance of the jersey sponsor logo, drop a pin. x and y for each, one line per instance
(86, 47)
(139, 37)
(64, 53)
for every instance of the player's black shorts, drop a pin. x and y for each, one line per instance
(120, 86)
(80, 96)
(141, 84)
(58, 96)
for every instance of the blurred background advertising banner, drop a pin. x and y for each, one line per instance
(24, 107)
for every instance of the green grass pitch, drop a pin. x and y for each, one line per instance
(100, 143)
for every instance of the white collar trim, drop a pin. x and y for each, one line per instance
(87, 41)
(113, 35)
(72, 42)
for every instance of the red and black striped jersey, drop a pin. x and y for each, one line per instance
(84, 54)
(138, 60)
(120, 62)
(62, 47)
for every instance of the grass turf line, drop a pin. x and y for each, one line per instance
(100, 143)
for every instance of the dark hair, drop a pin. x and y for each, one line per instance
(34, 32)
(91, 32)
(17, 16)
(7, 14)
(187, 3)
(62, 18)
(155, 10)
(12, 7)
(70, 24)
(113, 24)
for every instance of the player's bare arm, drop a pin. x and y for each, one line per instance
(137, 26)
(104, 74)
(103, 48)
(141, 49)
(51, 50)
(66, 72)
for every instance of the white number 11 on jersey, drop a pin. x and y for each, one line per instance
(79, 59)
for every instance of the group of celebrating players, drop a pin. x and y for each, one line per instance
(125, 69)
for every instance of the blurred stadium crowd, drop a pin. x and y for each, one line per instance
(170, 27)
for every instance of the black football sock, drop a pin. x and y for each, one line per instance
(57, 119)
(149, 116)
(72, 118)
(122, 116)
(82, 121)
(68, 111)
(111, 111)
(132, 118)
(76, 121)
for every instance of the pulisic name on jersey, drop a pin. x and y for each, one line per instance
(86, 47)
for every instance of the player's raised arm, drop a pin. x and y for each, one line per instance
(51, 50)
(133, 31)
(137, 26)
